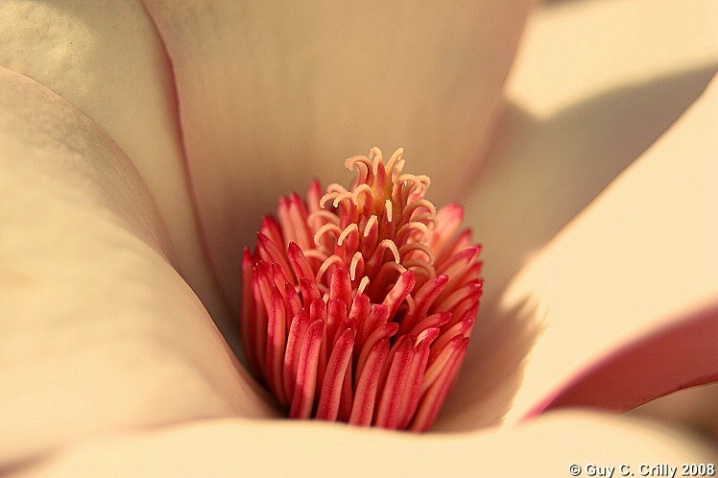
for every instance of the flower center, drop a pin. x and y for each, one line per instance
(358, 304)
(378, 229)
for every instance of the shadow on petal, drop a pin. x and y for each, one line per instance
(493, 372)
(692, 408)
(542, 172)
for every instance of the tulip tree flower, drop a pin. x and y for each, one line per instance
(141, 144)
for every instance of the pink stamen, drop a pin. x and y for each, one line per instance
(307, 371)
(368, 383)
(276, 341)
(358, 304)
(328, 408)
(435, 396)
(400, 358)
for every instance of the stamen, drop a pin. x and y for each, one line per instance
(388, 244)
(326, 228)
(401, 289)
(307, 371)
(395, 161)
(328, 407)
(338, 329)
(382, 277)
(363, 165)
(328, 197)
(382, 332)
(314, 194)
(435, 396)
(331, 260)
(420, 268)
(411, 208)
(276, 339)
(336, 188)
(408, 250)
(295, 339)
(417, 185)
(298, 260)
(353, 266)
(410, 401)
(389, 406)
(362, 191)
(368, 383)
(413, 231)
(362, 285)
(342, 197)
(371, 224)
(322, 214)
(319, 254)
(345, 233)
(376, 158)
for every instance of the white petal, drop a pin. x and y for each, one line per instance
(642, 255)
(547, 447)
(97, 330)
(273, 94)
(106, 59)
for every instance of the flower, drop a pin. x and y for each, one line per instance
(358, 304)
(111, 360)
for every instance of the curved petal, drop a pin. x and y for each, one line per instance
(677, 356)
(273, 94)
(638, 263)
(546, 447)
(98, 332)
(106, 59)
(640, 255)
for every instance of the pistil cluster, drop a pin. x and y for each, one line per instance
(358, 303)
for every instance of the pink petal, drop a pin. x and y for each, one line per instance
(681, 355)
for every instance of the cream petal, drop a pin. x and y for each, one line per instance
(546, 447)
(98, 332)
(639, 263)
(107, 60)
(273, 94)
(618, 273)
(575, 49)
